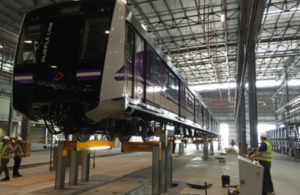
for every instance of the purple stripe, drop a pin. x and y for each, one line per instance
(23, 81)
(117, 99)
(87, 78)
(24, 74)
(88, 70)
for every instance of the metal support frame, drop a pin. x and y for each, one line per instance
(61, 167)
(252, 97)
(219, 144)
(73, 179)
(85, 172)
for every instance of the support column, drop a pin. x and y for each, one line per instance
(211, 147)
(85, 173)
(242, 119)
(61, 167)
(164, 144)
(205, 150)
(219, 143)
(197, 146)
(169, 165)
(25, 129)
(156, 156)
(73, 180)
(46, 135)
(252, 97)
(181, 148)
(10, 119)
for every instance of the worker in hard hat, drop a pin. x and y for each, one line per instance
(264, 158)
(18, 157)
(5, 150)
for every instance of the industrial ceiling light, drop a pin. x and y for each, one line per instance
(169, 57)
(1, 46)
(28, 41)
(100, 148)
(53, 66)
(222, 18)
(124, 1)
(144, 27)
(107, 32)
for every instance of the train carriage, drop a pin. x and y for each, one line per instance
(88, 67)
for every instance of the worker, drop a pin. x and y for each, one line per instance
(174, 147)
(232, 143)
(18, 157)
(264, 158)
(5, 150)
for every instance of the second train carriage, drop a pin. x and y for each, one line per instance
(89, 67)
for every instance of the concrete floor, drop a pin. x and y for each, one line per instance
(130, 173)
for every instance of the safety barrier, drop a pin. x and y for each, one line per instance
(26, 147)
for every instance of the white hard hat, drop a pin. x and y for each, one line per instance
(6, 138)
(263, 134)
(20, 139)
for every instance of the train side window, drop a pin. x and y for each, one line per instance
(190, 100)
(157, 70)
(95, 38)
(182, 92)
(150, 64)
(170, 83)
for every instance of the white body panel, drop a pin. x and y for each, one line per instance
(111, 89)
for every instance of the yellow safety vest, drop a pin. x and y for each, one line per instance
(21, 153)
(266, 156)
(2, 152)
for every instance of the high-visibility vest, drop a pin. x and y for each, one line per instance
(266, 156)
(2, 152)
(21, 153)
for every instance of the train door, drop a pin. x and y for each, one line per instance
(138, 85)
(182, 100)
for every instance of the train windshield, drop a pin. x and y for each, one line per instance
(29, 44)
(95, 38)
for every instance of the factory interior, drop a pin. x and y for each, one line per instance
(149, 97)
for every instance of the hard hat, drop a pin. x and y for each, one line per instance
(263, 134)
(20, 139)
(6, 138)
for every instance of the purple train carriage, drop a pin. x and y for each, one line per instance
(88, 67)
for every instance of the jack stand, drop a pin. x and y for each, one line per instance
(205, 150)
(61, 167)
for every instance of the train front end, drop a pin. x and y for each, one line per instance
(60, 61)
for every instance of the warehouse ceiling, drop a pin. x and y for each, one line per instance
(201, 36)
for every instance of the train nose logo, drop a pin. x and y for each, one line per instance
(55, 76)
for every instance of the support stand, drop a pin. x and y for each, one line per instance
(164, 144)
(73, 179)
(156, 156)
(169, 165)
(205, 150)
(61, 167)
(85, 173)
(211, 147)
(181, 148)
